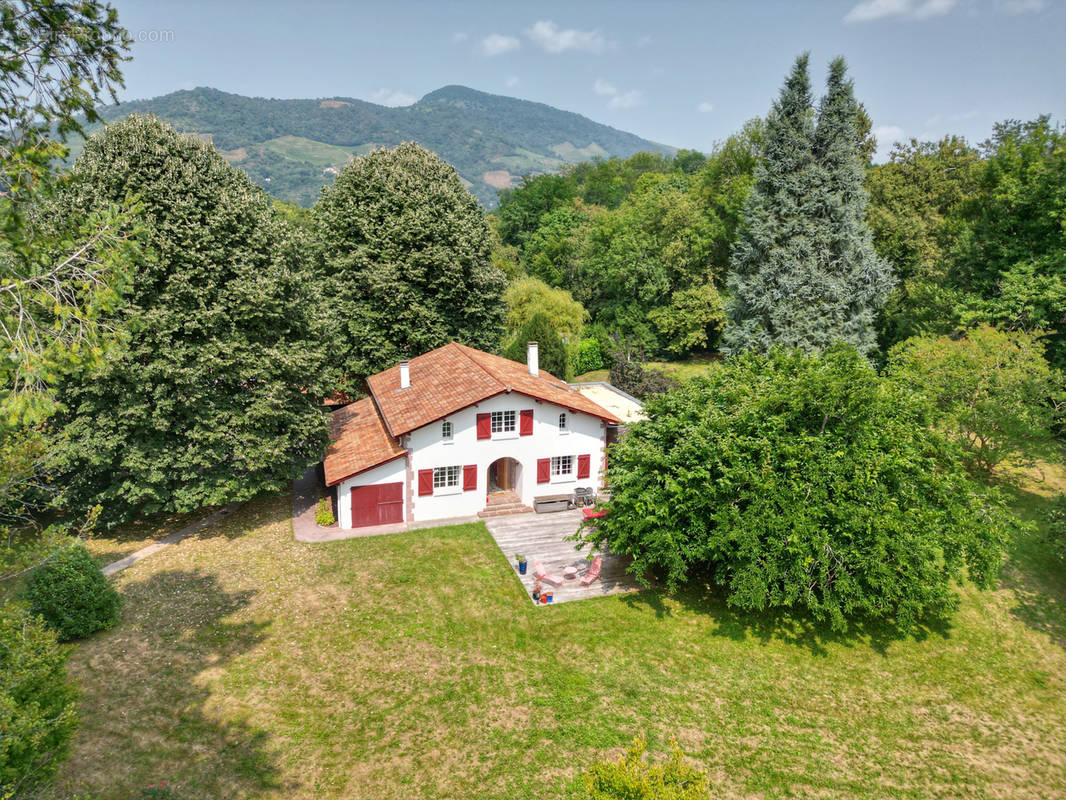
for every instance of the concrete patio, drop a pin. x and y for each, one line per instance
(541, 537)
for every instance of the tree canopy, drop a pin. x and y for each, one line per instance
(801, 482)
(804, 272)
(404, 258)
(213, 395)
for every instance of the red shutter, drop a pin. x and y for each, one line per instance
(526, 426)
(470, 477)
(425, 481)
(484, 426)
(544, 470)
(584, 464)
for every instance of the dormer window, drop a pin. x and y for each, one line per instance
(564, 423)
(446, 431)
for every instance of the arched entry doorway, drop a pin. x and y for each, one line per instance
(504, 476)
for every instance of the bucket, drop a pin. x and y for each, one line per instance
(521, 567)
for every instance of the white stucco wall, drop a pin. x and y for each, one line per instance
(428, 450)
(391, 472)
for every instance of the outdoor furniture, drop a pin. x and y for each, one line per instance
(584, 496)
(551, 502)
(592, 513)
(569, 573)
(542, 574)
(593, 571)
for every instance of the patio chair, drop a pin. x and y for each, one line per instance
(542, 574)
(593, 572)
(584, 496)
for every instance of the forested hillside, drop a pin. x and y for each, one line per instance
(294, 147)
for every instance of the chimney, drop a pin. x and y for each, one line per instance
(532, 359)
(405, 374)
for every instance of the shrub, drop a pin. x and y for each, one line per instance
(587, 356)
(38, 703)
(632, 777)
(633, 377)
(324, 512)
(72, 595)
(803, 483)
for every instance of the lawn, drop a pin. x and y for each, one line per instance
(248, 665)
(680, 370)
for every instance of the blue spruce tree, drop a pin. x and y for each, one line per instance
(803, 271)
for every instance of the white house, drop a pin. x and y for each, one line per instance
(456, 432)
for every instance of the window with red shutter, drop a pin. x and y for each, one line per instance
(526, 423)
(584, 465)
(544, 470)
(425, 481)
(470, 477)
(484, 426)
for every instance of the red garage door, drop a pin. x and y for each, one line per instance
(377, 505)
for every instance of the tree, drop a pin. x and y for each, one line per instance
(405, 253)
(527, 297)
(916, 213)
(551, 354)
(521, 208)
(992, 390)
(213, 396)
(59, 273)
(38, 703)
(804, 272)
(654, 250)
(801, 482)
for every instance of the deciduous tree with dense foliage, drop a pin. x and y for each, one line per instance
(802, 482)
(804, 271)
(527, 297)
(993, 390)
(213, 396)
(405, 253)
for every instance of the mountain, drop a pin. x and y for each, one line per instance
(293, 147)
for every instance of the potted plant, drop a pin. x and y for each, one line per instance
(521, 563)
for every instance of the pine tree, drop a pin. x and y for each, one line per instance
(551, 351)
(214, 394)
(803, 270)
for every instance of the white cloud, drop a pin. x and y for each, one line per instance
(547, 35)
(887, 136)
(392, 97)
(496, 44)
(618, 99)
(871, 10)
(459, 38)
(1021, 6)
(512, 81)
(705, 107)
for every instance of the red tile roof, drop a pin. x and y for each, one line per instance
(359, 441)
(454, 376)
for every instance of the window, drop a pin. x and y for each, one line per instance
(503, 422)
(446, 431)
(446, 477)
(562, 465)
(564, 424)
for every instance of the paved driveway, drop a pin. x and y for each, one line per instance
(540, 537)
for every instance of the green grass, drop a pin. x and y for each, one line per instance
(318, 153)
(248, 665)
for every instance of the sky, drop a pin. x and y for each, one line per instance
(686, 74)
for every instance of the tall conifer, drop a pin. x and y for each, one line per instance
(803, 270)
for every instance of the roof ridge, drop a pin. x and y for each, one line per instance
(463, 348)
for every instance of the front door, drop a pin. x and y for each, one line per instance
(501, 476)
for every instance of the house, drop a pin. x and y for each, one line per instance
(457, 432)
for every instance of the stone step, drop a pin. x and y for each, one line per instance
(504, 510)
